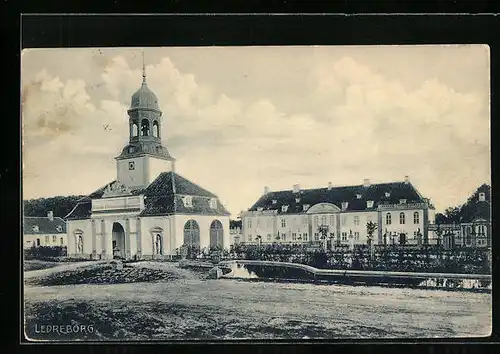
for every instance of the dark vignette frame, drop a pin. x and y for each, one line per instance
(225, 29)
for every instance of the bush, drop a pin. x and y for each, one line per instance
(45, 252)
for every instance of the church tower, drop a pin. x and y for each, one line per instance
(144, 158)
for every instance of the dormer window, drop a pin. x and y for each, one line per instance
(274, 201)
(482, 197)
(387, 194)
(345, 205)
(131, 165)
(188, 201)
(35, 228)
(402, 201)
(305, 207)
(284, 208)
(297, 200)
(369, 203)
(213, 203)
(58, 228)
(260, 208)
(358, 196)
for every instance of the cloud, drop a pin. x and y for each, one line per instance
(353, 123)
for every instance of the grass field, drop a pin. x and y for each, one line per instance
(187, 307)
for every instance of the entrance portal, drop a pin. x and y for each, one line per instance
(118, 241)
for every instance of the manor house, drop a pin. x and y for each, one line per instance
(298, 216)
(149, 211)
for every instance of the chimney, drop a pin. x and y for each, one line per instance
(330, 186)
(266, 190)
(366, 182)
(407, 179)
(296, 188)
(50, 215)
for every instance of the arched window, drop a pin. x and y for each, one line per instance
(191, 233)
(416, 217)
(402, 218)
(156, 132)
(145, 127)
(135, 130)
(388, 218)
(216, 234)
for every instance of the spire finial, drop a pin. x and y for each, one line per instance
(143, 68)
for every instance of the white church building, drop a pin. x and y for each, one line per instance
(149, 211)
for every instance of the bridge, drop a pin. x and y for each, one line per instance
(372, 275)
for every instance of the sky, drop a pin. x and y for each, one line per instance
(238, 119)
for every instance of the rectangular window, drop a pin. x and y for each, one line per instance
(305, 236)
(249, 223)
(283, 236)
(54, 239)
(213, 203)
(332, 219)
(356, 220)
(283, 222)
(344, 236)
(344, 219)
(62, 241)
(46, 240)
(316, 236)
(294, 236)
(258, 222)
(249, 238)
(305, 220)
(323, 220)
(316, 220)
(356, 235)
(269, 237)
(416, 217)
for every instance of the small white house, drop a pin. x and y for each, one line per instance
(44, 231)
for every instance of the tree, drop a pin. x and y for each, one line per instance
(370, 229)
(323, 230)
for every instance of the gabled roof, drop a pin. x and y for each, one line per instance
(162, 197)
(43, 225)
(338, 195)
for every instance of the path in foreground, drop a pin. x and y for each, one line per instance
(216, 309)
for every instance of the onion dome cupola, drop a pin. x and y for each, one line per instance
(144, 98)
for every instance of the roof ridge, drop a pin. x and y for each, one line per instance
(340, 186)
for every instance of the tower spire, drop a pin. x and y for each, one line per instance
(143, 68)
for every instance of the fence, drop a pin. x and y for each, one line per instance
(398, 259)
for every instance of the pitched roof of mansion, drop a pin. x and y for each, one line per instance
(357, 197)
(163, 196)
(43, 225)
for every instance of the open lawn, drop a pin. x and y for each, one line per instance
(188, 307)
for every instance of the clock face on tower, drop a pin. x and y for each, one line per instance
(131, 165)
